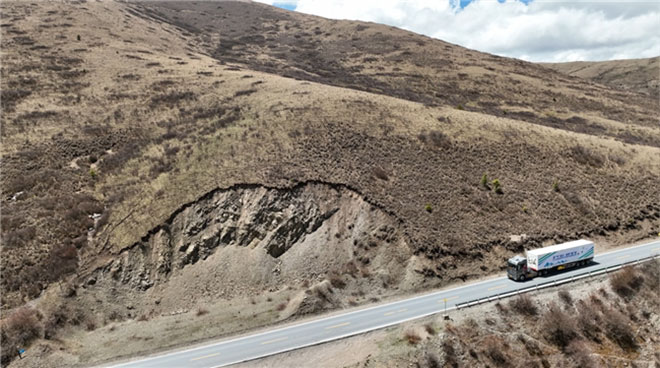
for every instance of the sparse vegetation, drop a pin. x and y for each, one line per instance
(497, 187)
(626, 282)
(565, 297)
(558, 327)
(484, 181)
(18, 330)
(412, 337)
(524, 305)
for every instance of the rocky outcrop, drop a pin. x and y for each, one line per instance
(277, 234)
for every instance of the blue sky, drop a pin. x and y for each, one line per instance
(285, 5)
(534, 30)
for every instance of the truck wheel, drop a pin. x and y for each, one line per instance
(521, 278)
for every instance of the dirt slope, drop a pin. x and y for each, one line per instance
(636, 75)
(119, 118)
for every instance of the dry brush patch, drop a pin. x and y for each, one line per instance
(592, 330)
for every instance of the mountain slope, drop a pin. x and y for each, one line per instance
(636, 75)
(385, 60)
(127, 128)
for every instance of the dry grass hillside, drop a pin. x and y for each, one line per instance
(636, 75)
(158, 160)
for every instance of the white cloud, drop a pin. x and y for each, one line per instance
(544, 30)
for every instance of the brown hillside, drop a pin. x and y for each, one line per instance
(636, 75)
(156, 159)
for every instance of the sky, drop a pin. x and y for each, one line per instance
(533, 30)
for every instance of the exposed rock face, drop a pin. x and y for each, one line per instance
(262, 237)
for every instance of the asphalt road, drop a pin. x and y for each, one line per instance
(321, 330)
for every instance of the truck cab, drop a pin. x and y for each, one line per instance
(517, 268)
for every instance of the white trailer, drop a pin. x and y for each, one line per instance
(555, 257)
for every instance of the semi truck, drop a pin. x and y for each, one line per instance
(541, 261)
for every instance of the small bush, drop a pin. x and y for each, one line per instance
(558, 327)
(565, 297)
(430, 329)
(19, 330)
(439, 139)
(484, 181)
(626, 282)
(451, 360)
(246, 92)
(281, 306)
(432, 361)
(201, 311)
(428, 208)
(494, 348)
(555, 186)
(524, 305)
(580, 354)
(586, 156)
(617, 328)
(337, 281)
(412, 337)
(90, 326)
(497, 187)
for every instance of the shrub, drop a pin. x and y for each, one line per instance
(585, 156)
(450, 354)
(559, 328)
(281, 306)
(429, 329)
(626, 282)
(19, 330)
(524, 305)
(337, 281)
(580, 354)
(412, 337)
(428, 208)
(565, 297)
(497, 187)
(201, 311)
(617, 328)
(495, 348)
(246, 92)
(432, 361)
(439, 139)
(484, 181)
(555, 186)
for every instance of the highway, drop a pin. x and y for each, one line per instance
(338, 326)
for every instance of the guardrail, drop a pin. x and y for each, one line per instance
(554, 282)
